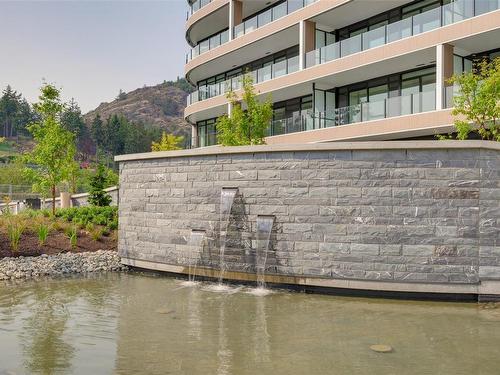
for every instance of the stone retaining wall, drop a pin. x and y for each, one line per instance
(418, 212)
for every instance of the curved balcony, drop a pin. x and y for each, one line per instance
(196, 6)
(263, 74)
(254, 23)
(445, 15)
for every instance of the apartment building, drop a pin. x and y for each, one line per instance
(336, 69)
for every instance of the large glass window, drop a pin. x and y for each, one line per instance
(207, 133)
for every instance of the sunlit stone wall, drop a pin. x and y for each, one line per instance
(407, 213)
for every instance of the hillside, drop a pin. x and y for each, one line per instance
(161, 106)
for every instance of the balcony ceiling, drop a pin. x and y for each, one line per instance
(355, 11)
(478, 43)
(274, 43)
(210, 25)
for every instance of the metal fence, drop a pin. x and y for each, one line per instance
(17, 192)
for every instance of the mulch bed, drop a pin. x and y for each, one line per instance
(56, 243)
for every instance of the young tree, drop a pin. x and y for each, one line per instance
(97, 195)
(245, 127)
(168, 142)
(477, 106)
(54, 151)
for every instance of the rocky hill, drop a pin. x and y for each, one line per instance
(161, 106)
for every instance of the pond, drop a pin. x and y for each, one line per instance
(142, 323)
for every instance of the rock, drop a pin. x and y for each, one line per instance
(380, 348)
(60, 264)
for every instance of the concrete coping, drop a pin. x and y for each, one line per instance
(330, 146)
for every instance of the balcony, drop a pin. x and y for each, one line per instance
(259, 20)
(369, 111)
(456, 11)
(261, 75)
(197, 5)
(208, 44)
(270, 15)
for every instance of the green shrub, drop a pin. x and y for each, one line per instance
(82, 216)
(14, 231)
(96, 234)
(72, 234)
(42, 231)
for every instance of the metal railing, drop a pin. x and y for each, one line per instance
(16, 192)
(369, 111)
(270, 15)
(208, 44)
(263, 74)
(196, 6)
(448, 14)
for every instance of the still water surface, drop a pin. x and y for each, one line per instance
(143, 324)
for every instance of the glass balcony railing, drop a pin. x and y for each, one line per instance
(251, 24)
(270, 15)
(208, 44)
(197, 5)
(448, 14)
(261, 75)
(390, 107)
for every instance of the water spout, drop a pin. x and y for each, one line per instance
(227, 196)
(195, 244)
(264, 229)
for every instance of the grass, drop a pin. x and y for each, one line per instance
(15, 229)
(94, 222)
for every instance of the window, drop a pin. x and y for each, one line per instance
(207, 133)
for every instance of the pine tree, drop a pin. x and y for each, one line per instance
(97, 195)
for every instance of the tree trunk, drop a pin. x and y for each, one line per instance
(53, 200)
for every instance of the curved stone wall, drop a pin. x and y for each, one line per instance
(385, 216)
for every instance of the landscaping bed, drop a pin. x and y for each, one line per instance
(79, 229)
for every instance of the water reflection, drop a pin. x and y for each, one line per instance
(129, 324)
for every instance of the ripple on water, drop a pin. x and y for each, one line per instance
(259, 291)
(222, 288)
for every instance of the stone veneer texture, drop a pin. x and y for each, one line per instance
(408, 215)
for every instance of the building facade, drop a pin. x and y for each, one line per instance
(336, 69)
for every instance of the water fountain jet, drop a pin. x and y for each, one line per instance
(195, 244)
(227, 196)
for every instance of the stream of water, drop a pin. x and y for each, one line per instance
(145, 324)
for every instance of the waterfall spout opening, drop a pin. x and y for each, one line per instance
(264, 228)
(227, 196)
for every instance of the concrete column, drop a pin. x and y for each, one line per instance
(307, 33)
(194, 136)
(444, 71)
(229, 108)
(65, 199)
(235, 16)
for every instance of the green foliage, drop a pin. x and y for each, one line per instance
(72, 119)
(180, 83)
(168, 142)
(72, 234)
(245, 127)
(477, 106)
(15, 229)
(54, 151)
(42, 231)
(97, 195)
(96, 234)
(105, 216)
(13, 173)
(15, 113)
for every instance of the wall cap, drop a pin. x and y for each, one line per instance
(331, 146)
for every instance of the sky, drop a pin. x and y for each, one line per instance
(90, 49)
